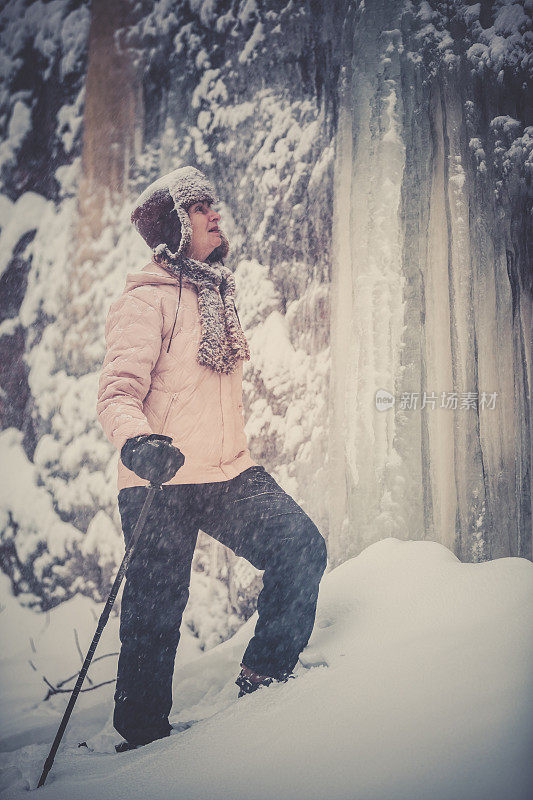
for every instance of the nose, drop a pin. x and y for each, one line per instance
(214, 216)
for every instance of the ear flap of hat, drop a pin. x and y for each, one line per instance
(186, 231)
(147, 216)
(170, 227)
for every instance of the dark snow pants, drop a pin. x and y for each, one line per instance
(252, 515)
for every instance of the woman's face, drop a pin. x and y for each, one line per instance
(205, 235)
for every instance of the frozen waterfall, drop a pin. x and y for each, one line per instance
(428, 303)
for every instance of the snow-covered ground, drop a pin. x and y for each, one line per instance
(417, 684)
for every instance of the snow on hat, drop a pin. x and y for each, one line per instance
(176, 191)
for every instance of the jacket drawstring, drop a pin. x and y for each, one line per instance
(237, 313)
(176, 317)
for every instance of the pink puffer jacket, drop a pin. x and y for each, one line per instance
(143, 389)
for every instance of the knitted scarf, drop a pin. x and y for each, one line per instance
(223, 342)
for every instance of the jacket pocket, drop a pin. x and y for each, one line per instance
(167, 411)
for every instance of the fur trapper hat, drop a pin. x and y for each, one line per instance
(160, 213)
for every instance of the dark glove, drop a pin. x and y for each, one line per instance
(152, 457)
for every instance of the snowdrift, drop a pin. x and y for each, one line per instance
(417, 683)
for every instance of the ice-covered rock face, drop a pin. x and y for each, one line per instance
(372, 161)
(429, 269)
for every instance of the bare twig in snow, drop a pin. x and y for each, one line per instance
(76, 639)
(71, 677)
(58, 689)
(54, 690)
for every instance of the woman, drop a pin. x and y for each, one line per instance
(172, 378)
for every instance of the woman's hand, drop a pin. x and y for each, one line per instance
(152, 457)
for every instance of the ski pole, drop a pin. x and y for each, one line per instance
(154, 487)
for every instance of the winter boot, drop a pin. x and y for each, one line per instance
(249, 681)
(123, 747)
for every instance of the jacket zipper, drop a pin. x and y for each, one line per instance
(222, 416)
(167, 411)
